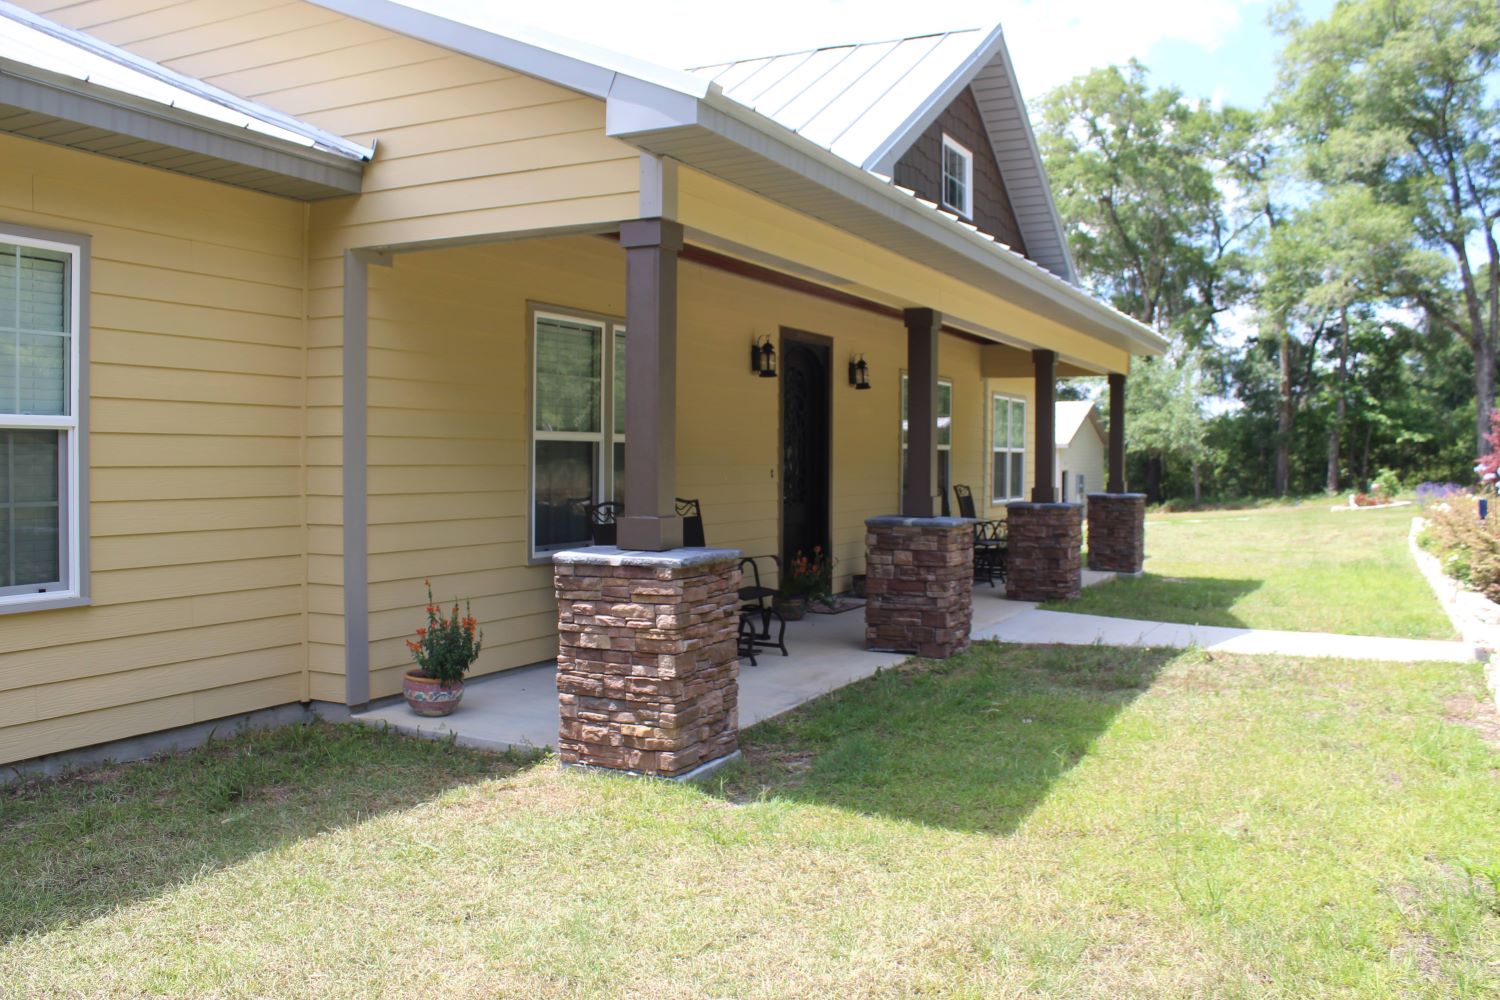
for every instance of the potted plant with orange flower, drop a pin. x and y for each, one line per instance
(445, 648)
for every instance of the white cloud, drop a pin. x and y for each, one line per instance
(1050, 41)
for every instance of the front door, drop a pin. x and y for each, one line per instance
(805, 445)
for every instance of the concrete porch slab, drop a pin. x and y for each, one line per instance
(518, 708)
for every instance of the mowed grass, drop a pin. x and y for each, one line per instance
(1039, 822)
(1305, 568)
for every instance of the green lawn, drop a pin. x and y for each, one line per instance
(1305, 568)
(1042, 822)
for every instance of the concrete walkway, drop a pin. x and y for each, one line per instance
(1024, 623)
(518, 708)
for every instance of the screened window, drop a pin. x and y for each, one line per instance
(958, 178)
(1008, 448)
(578, 430)
(944, 436)
(39, 427)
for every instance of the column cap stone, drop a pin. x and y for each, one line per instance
(900, 521)
(609, 555)
(1034, 505)
(1118, 496)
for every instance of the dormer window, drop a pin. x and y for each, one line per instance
(958, 178)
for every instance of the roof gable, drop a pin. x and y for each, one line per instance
(1072, 415)
(869, 103)
(920, 169)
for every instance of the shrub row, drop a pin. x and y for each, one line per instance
(1468, 547)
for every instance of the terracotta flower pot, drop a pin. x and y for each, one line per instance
(429, 696)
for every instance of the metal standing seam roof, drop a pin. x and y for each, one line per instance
(48, 71)
(868, 102)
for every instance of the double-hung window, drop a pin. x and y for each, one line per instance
(944, 435)
(578, 424)
(41, 498)
(1007, 448)
(958, 178)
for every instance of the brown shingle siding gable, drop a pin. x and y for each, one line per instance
(920, 168)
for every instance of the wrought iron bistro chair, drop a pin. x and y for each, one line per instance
(601, 518)
(757, 601)
(990, 540)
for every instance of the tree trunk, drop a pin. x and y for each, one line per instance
(1336, 433)
(1284, 418)
(1153, 477)
(1484, 390)
(1197, 482)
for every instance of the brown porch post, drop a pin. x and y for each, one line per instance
(650, 522)
(921, 497)
(1116, 433)
(1042, 488)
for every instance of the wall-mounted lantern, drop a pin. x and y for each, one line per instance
(763, 357)
(859, 372)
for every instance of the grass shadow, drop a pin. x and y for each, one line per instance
(1188, 600)
(79, 846)
(973, 743)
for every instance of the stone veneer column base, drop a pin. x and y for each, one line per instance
(919, 585)
(647, 666)
(1117, 532)
(1044, 560)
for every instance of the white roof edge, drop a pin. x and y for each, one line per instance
(563, 61)
(885, 155)
(976, 245)
(328, 141)
(1041, 170)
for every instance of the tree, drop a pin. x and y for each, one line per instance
(1329, 264)
(1399, 96)
(1164, 414)
(1137, 173)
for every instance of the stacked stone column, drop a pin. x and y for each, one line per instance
(1117, 532)
(919, 585)
(1044, 551)
(647, 666)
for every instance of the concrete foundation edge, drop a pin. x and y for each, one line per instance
(189, 737)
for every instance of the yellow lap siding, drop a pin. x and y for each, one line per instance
(196, 482)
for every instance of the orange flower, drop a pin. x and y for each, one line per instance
(421, 632)
(412, 646)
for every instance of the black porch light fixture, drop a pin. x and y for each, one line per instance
(859, 372)
(763, 357)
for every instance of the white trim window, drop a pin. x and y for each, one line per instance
(1007, 448)
(958, 178)
(944, 437)
(578, 425)
(42, 522)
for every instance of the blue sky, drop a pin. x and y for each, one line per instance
(1213, 49)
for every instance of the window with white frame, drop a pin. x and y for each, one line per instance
(944, 435)
(1007, 448)
(41, 543)
(578, 424)
(958, 178)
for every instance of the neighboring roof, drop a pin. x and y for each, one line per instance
(678, 115)
(1072, 414)
(65, 87)
(867, 103)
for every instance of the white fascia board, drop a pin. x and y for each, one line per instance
(563, 61)
(883, 159)
(1036, 157)
(765, 138)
